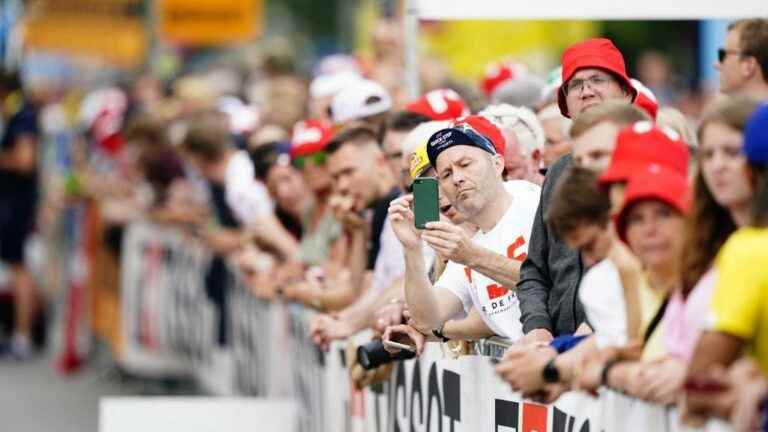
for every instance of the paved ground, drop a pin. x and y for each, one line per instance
(35, 398)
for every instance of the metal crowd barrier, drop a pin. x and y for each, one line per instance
(171, 326)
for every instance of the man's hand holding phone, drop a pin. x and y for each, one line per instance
(450, 241)
(403, 336)
(402, 220)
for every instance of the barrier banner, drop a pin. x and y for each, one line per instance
(163, 303)
(170, 327)
(434, 393)
(260, 345)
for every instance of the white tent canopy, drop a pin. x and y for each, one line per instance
(589, 9)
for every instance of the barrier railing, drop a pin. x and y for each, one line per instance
(171, 325)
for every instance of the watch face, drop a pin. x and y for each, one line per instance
(551, 374)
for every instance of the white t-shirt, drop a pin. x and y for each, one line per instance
(246, 197)
(498, 306)
(602, 295)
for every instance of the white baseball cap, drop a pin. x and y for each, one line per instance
(331, 83)
(358, 100)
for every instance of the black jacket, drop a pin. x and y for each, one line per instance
(550, 275)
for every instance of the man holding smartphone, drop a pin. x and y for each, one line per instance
(479, 269)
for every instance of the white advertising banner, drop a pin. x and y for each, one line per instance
(170, 327)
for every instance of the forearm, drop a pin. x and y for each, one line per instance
(714, 349)
(471, 328)
(630, 282)
(361, 308)
(345, 296)
(420, 296)
(567, 362)
(501, 269)
(268, 230)
(358, 256)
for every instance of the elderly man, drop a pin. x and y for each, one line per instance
(469, 174)
(524, 138)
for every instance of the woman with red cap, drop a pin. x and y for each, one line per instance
(651, 222)
(722, 198)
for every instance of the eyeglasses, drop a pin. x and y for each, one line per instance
(595, 82)
(722, 53)
(318, 159)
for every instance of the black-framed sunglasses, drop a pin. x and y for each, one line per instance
(722, 53)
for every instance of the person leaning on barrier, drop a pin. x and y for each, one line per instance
(469, 173)
(614, 276)
(469, 328)
(363, 187)
(593, 73)
(246, 204)
(382, 304)
(738, 309)
(579, 214)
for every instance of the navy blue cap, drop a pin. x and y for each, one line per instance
(460, 134)
(756, 136)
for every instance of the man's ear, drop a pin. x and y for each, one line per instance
(749, 67)
(536, 156)
(498, 163)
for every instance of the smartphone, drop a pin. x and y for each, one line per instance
(399, 345)
(425, 201)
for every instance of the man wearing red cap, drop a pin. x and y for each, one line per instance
(593, 72)
(550, 275)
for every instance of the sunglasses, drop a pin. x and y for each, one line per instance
(317, 158)
(722, 53)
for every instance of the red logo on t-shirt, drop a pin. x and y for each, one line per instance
(495, 291)
(512, 249)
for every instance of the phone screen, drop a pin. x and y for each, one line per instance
(425, 201)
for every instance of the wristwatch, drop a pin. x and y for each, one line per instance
(438, 332)
(550, 373)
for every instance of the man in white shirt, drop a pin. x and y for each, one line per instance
(244, 209)
(469, 174)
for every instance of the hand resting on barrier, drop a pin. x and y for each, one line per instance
(522, 366)
(325, 328)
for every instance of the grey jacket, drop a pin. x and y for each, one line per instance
(550, 275)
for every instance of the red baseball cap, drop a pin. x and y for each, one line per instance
(598, 53)
(310, 136)
(658, 182)
(497, 73)
(440, 104)
(645, 100)
(488, 129)
(643, 144)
